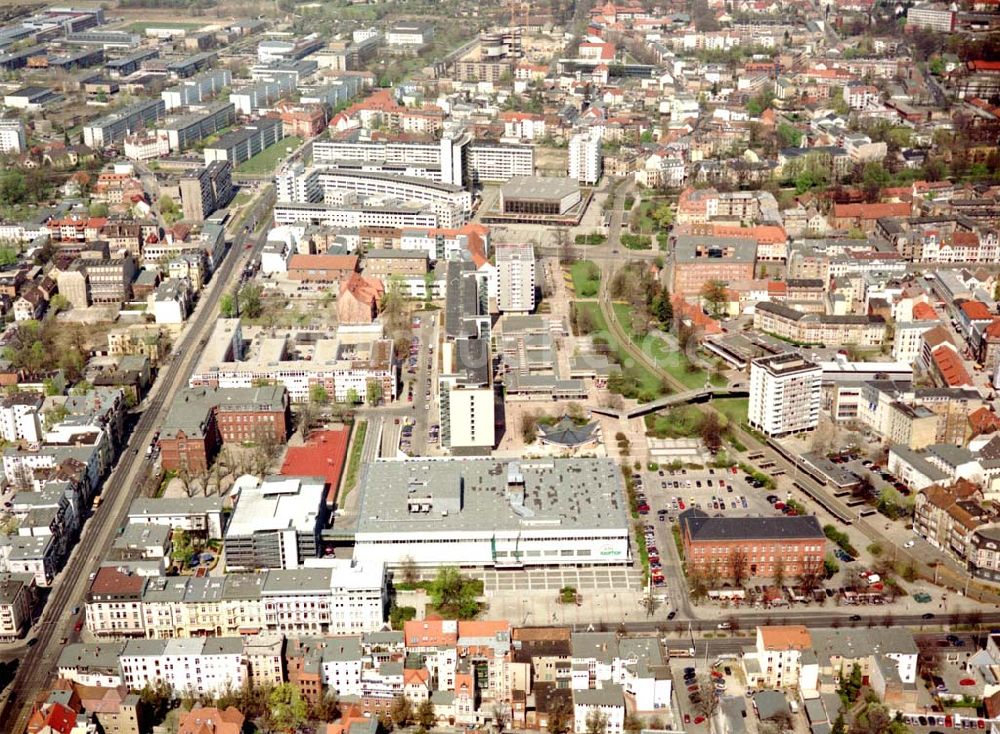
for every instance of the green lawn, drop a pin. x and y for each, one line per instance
(683, 421)
(646, 379)
(735, 409)
(665, 355)
(268, 159)
(142, 25)
(586, 278)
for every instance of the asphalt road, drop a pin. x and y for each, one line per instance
(41, 651)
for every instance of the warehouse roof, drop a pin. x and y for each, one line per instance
(448, 495)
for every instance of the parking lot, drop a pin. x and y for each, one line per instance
(665, 493)
(695, 678)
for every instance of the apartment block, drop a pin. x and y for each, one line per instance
(206, 189)
(785, 392)
(515, 264)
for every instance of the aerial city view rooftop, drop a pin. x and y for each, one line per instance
(561, 366)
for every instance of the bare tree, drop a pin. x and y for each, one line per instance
(409, 570)
(187, 482)
(707, 703)
(266, 450)
(596, 722)
(778, 573)
(739, 564)
(501, 716)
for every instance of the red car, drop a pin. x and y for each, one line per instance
(699, 719)
(687, 718)
(78, 626)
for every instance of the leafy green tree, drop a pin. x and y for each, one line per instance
(227, 306)
(401, 711)
(250, 301)
(13, 187)
(454, 595)
(374, 392)
(318, 395)
(352, 397)
(426, 718)
(789, 136)
(8, 256)
(287, 710)
(716, 296)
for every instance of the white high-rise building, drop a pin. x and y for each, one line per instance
(11, 135)
(585, 161)
(784, 394)
(296, 183)
(453, 143)
(516, 277)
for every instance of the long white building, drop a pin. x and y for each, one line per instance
(394, 214)
(485, 512)
(197, 89)
(455, 159)
(785, 392)
(345, 361)
(328, 596)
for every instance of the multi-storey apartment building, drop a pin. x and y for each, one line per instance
(785, 393)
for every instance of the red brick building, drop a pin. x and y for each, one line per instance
(322, 268)
(718, 545)
(202, 419)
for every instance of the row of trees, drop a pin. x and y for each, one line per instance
(736, 567)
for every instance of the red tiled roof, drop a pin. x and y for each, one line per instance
(324, 455)
(924, 312)
(976, 311)
(870, 211)
(984, 420)
(950, 366)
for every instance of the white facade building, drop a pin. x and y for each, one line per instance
(515, 265)
(19, 418)
(481, 512)
(204, 666)
(585, 161)
(785, 393)
(11, 135)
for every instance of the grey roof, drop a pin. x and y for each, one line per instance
(102, 656)
(608, 696)
(601, 646)
(856, 642)
(743, 249)
(701, 527)
(569, 494)
(153, 506)
(770, 704)
(190, 409)
(568, 433)
(539, 188)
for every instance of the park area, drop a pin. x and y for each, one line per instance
(586, 278)
(668, 357)
(268, 159)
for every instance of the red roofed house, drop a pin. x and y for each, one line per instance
(983, 420)
(359, 299)
(416, 684)
(210, 720)
(947, 368)
(114, 604)
(52, 717)
(696, 317)
(864, 216)
(988, 347)
(924, 312)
